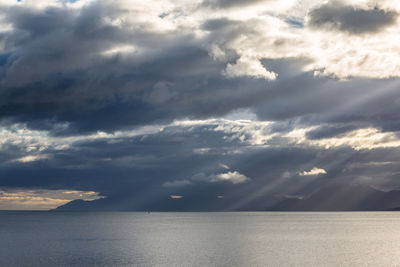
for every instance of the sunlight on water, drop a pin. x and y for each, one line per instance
(199, 239)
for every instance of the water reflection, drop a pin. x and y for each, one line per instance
(200, 239)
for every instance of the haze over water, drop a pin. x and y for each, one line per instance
(199, 239)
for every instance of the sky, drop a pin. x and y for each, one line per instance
(197, 105)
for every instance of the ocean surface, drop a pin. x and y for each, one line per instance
(199, 239)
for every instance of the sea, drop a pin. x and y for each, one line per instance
(199, 239)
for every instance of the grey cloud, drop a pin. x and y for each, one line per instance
(330, 131)
(354, 20)
(140, 173)
(228, 3)
(56, 76)
(55, 80)
(177, 183)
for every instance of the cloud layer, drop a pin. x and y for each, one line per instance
(251, 101)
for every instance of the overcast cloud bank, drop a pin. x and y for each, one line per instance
(229, 104)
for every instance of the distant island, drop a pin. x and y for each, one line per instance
(329, 198)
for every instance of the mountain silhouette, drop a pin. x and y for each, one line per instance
(352, 197)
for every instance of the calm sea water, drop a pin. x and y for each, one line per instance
(199, 239)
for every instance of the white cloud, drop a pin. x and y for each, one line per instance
(31, 158)
(248, 67)
(31, 141)
(37, 145)
(313, 172)
(264, 33)
(233, 177)
(258, 133)
(224, 166)
(360, 139)
(118, 50)
(175, 197)
(332, 53)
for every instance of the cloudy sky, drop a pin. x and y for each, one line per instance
(207, 104)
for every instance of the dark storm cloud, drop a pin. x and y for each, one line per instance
(143, 164)
(329, 131)
(354, 20)
(55, 78)
(55, 74)
(132, 172)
